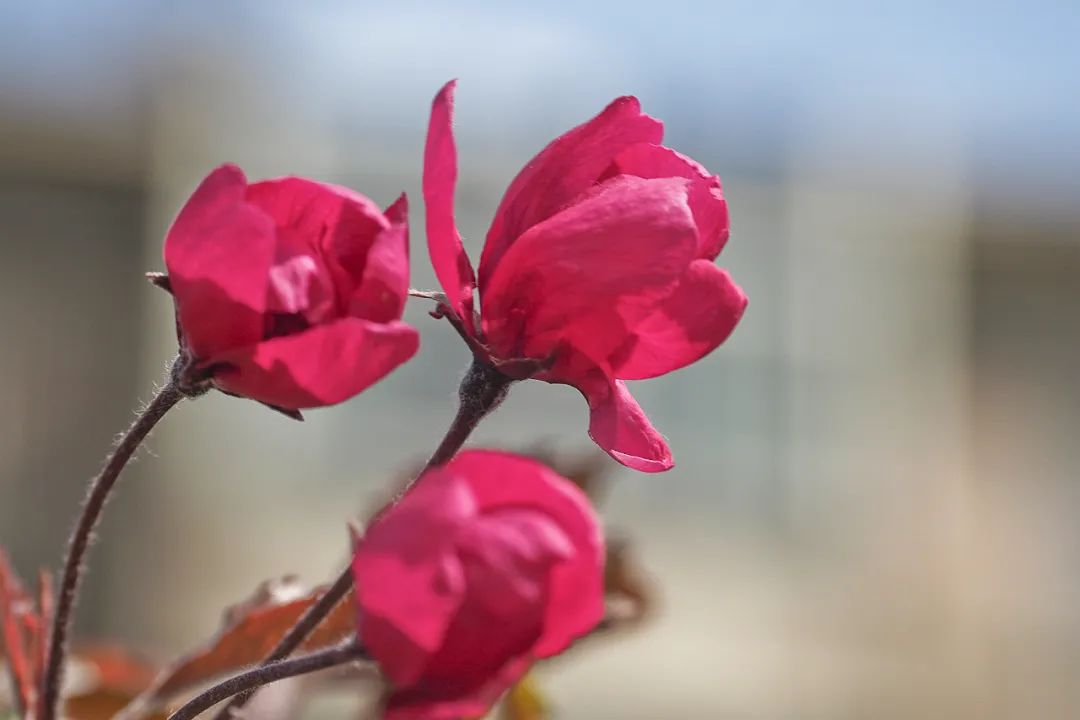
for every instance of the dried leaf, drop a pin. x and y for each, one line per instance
(100, 705)
(251, 630)
(589, 469)
(631, 594)
(160, 280)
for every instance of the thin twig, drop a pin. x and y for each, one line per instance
(81, 537)
(347, 652)
(482, 390)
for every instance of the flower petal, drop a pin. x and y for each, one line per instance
(218, 253)
(300, 286)
(448, 257)
(563, 170)
(612, 255)
(320, 366)
(509, 552)
(409, 584)
(575, 600)
(689, 324)
(479, 644)
(312, 217)
(384, 288)
(706, 194)
(620, 427)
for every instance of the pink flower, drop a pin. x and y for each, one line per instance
(599, 263)
(290, 291)
(490, 562)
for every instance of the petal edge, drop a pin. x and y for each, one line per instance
(690, 323)
(620, 427)
(448, 257)
(218, 252)
(321, 366)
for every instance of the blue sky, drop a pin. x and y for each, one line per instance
(738, 75)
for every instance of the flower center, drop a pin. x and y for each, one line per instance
(301, 295)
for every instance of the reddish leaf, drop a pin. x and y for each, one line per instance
(43, 619)
(101, 705)
(117, 670)
(251, 629)
(107, 679)
(19, 625)
(103, 679)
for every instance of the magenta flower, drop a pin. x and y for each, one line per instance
(490, 562)
(598, 266)
(290, 291)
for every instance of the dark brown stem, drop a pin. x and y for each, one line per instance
(82, 535)
(297, 634)
(347, 652)
(482, 390)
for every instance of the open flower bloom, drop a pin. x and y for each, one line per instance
(490, 562)
(599, 262)
(290, 291)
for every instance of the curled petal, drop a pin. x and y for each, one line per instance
(218, 253)
(687, 325)
(620, 427)
(452, 265)
(337, 223)
(616, 252)
(385, 286)
(320, 366)
(562, 171)
(300, 285)
(706, 196)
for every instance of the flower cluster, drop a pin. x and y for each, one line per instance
(598, 268)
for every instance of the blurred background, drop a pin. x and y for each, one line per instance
(876, 508)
